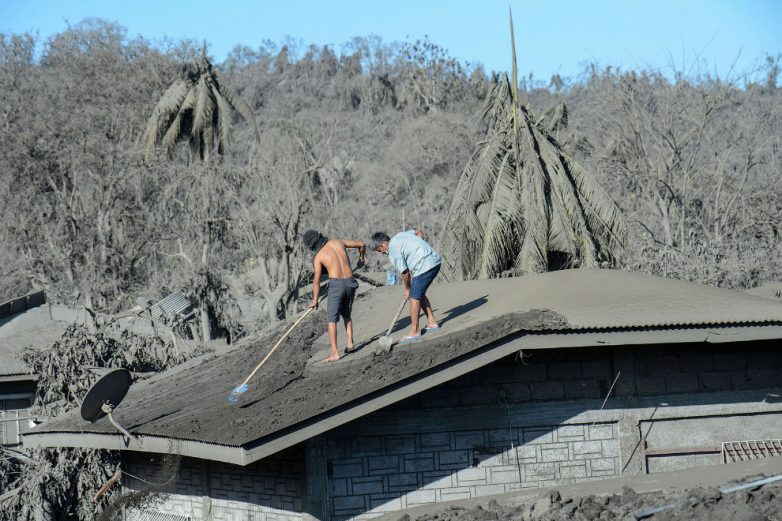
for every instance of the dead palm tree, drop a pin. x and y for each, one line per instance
(197, 108)
(521, 198)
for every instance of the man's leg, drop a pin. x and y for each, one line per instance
(430, 320)
(349, 332)
(415, 310)
(334, 356)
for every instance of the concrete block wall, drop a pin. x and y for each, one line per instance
(425, 455)
(588, 373)
(269, 490)
(369, 475)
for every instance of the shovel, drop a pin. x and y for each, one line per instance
(239, 390)
(385, 342)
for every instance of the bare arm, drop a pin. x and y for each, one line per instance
(315, 283)
(362, 250)
(419, 234)
(406, 280)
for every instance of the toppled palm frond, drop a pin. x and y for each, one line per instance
(521, 198)
(196, 108)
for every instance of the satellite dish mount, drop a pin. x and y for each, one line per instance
(104, 396)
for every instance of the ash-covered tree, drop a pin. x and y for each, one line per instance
(198, 108)
(523, 205)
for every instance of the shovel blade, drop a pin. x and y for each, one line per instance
(237, 392)
(384, 344)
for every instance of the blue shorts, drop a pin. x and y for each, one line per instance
(421, 283)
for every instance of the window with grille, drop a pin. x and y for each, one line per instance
(749, 450)
(154, 515)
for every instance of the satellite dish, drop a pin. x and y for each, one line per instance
(104, 396)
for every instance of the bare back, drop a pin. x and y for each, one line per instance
(333, 257)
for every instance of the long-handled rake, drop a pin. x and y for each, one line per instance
(243, 387)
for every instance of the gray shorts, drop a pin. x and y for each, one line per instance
(341, 295)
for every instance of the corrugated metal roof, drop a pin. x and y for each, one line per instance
(171, 307)
(189, 402)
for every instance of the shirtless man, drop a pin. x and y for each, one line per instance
(331, 256)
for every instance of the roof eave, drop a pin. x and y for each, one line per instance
(139, 443)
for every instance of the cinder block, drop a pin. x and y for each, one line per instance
(532, 371)
(385, 503)
(603, 464)
(560, 454)
(626, 385)
(479, 395)
(538, 435)
(572, 471)
(729, 361)
(659, 365)
(373, 485)
(471, 476)
(338, 487)
(517, 392)
(442, 397)
(597, 368)
(579, 389)
(566, 370)
(453, 459)
(610, 448)
(490, 457)
(498, 374)
(347, 468)
(587, 447)
(540, 471)
(438, 479)
(420, 497)
(419, 463)
(383, 463)
(435, 441)
(697, 361)
(366, 446)
(501, 436)
(601, 431)
(762, 359)
(348, 502)
(451, 494)
(651, 385)
(682, 383)
(527, 453)
(547, 391)
(402, 480)
(487, 490)
(759, 378)
(716, 381)
(469, 440)
(503, 474)
(400, 444)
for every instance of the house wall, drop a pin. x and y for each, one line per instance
(268, 490)
(536, 421)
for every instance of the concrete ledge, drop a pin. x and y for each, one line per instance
(711, 476)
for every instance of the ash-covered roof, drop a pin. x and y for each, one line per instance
(34, 328)
(293, 397)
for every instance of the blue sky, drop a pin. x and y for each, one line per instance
(724, 36)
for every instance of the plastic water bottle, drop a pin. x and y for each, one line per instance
(390, 278)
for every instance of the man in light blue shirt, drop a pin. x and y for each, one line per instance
(419, 264)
